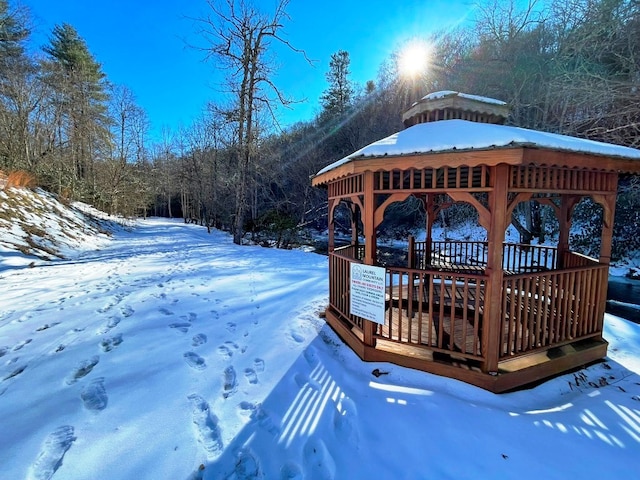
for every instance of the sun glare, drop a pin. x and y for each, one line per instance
(414, 58)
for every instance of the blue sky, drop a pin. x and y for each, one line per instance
(142, 44)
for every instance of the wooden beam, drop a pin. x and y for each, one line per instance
(387, 163)
(353, 208)
(541, 156)
(492, 334)
(379, 212)
(491, 157)
(332, 204)
(370, 243)
(567, 203)
(519, 198)
(484, 216)
(549, 201)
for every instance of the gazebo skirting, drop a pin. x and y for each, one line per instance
(549, 320)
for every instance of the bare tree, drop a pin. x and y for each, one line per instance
(239, 38)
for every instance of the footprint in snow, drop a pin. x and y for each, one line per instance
(230, 384)
(195, 361)
(226, 350)
(180, 326)
(207, 426)
(20, 345)
(231, 327)
(311, 356)
(127, 311)
(52, 453)
(345, 422)
(291, 471)
(199, 339)
(111, 324)
(247, 466)
(165, 311)
(3, 351)
(251, 375)
(247, 408)
(297, 337)
(82, 370)
(258, 364)
(318, 461)
(94, 396)
(108, 344)
(266, 420)
(46, 326)
(15, 373)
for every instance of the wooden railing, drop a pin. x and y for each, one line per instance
(440, 311)
(551, 308)
(574, 259)
(521, 258)
(444, 311)
(517, 258)
(340, 282)
(355, 252)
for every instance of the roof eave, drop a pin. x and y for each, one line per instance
(511, 155)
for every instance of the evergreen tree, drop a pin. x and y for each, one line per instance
(13, 32)
(16, 78)
(80, 107)
(337, 98)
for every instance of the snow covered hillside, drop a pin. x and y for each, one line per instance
(174, 354)
(34, 226)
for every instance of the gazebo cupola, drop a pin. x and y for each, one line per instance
(491, 313)
(450, 105)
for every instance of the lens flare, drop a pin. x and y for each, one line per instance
(414, 58)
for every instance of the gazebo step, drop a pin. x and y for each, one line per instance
(527, 369)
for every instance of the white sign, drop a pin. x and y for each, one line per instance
(368, 292)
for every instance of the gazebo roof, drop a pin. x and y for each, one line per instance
(448, 136)
(495, 111)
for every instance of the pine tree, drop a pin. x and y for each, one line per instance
(16, 79)
(13, 32)
(80, 105)
(337, 98)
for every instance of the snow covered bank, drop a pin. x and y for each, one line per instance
(35, 226)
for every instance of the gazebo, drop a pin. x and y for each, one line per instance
(494, 314)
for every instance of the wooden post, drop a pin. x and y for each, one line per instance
(491, 331)
(411, 254)
(606, 238)
(353, 208)
(609, 209)
(370, 244)
(331, 225)
(430, 208)
(567, 202)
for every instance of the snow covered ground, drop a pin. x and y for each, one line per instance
(174, 354)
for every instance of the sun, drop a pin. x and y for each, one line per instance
(414, 58)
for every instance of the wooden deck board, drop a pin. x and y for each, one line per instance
(425, 330)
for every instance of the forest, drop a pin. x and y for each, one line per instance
(564, 66)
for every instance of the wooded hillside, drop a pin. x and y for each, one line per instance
(564, 66)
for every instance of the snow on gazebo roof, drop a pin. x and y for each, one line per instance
(462, 135)
(452, 93)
